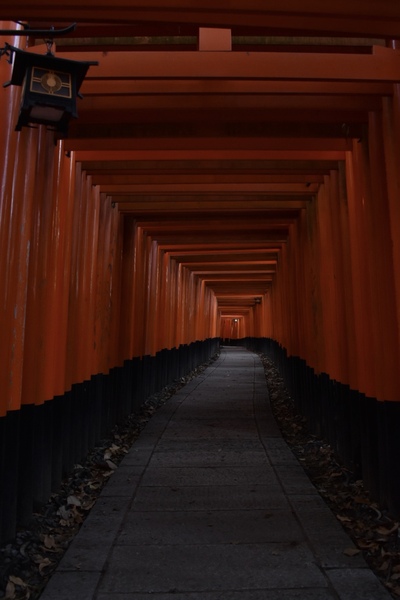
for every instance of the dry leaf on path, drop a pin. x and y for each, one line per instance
(386, 531)
(111, 465)
(343, 519)
(73, 501)
(10, 591)
(45, 563)
(17, 581)
(351, 551)
(49, 542)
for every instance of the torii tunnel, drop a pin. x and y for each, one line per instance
(233, 176)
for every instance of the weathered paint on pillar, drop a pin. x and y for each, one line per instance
(385, 323)
(391, 141)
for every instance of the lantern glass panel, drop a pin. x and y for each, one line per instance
(56, 83)
(46, 113)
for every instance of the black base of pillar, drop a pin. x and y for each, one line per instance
(9, 476)
(39, 445)
(363, 432)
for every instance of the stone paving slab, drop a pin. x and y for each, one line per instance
(208, 452)
(89, 550)
(328, 538)
(265, 594)
(137, 457)
(77, 585)
(295, 481)
(210, 429)
(210, 475)
(216, 497)
(357, 584)
(123, 482)
(279, 453)
(267, 428)
(210, 567)
(225, 412)
(228, 445)
(208, 527)
(208, 458)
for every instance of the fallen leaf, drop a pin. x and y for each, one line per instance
(64, 513)
(361, 500)
(73, 501)
(10, 590)
(111, 465)
(367, 545)
(17, 581)
(386, 531)
(49, 541)
(45, 563)
(343, 519)
(351, 551)
(95, 486)
(78, 519)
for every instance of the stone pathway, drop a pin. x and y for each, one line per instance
(210, 504)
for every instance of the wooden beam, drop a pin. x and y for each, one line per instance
(108, 161)
(371, 17)
(121, 149)
(149, 87)
(265, 66)
(105, 177)
(200, 188)
(219, 206)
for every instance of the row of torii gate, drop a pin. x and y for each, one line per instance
(232, 174)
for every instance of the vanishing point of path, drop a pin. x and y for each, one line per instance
(210, 504)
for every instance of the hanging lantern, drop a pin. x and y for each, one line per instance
(50, 87)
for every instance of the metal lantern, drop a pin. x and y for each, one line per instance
(50, 87)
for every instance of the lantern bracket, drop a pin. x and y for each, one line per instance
(45, 33)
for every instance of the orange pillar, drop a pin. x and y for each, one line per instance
(110, 348)
(18, 205)
(340, 217)
(358, 201)
(306, 293)
(391, 141)
(153, 323)
(294, 285)
(173, 302)
(82, 297)
(64, 188)
(112, 261)
(46, 312)
(9, 143)
(332, 289)
(385, 322)
(127, 312)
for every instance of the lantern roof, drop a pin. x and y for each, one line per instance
(23, 60)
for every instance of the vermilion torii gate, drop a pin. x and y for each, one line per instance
(231, 174)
